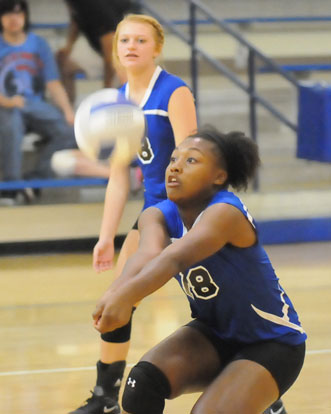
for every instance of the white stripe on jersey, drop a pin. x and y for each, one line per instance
(277, 319)
(160, 112)
(149, 89)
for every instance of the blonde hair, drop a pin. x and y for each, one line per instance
(139, 18)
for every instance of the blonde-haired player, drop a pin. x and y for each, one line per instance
(170, 114)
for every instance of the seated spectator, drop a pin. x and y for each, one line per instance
(97, 21)
(27, 71)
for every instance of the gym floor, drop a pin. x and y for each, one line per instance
(49, 347)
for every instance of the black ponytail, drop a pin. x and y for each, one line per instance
(238, 155)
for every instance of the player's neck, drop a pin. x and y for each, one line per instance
(190, 212)
(14, 38)
(139, 81)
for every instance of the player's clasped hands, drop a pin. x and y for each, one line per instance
(111, 312)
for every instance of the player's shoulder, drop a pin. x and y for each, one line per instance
(171, 217)
(166, 207)
(169, 79)
(229, 198)
(225, 196)
(163, 212)
(165, 85)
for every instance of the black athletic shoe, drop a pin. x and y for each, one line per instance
(30, 194)
(276, 408)
(8, 197)
(19, 197)
(98, 404)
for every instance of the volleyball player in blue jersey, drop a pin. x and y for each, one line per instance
(245, 346)
(170, 114)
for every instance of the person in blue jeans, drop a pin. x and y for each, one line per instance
(27, 72)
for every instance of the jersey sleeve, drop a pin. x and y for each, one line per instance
(172, 218)
(173, 83)
(227, 197)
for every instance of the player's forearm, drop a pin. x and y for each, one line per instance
(154, 274)
(133, 266)
(116, 196)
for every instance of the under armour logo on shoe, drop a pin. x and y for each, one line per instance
(131, 382)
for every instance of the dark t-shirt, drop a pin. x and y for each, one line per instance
(98, 17)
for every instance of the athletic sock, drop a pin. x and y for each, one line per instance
(109, 378)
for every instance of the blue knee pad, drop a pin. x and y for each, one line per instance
(145, 390)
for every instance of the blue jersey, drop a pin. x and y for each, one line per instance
(236, 291)
(25, 68)
(159, 142)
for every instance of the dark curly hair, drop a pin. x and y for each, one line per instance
(238, 155)
(7, 6)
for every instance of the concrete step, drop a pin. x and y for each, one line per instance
(32, 222)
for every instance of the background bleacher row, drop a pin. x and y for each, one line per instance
(301, 37)
(298, 40)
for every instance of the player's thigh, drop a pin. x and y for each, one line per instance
(244, 387)
(129, 247)
(187, 358)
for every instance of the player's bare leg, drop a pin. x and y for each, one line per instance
(72, 162)
(174, 367)
(113, 352)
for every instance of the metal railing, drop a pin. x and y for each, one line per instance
(197, 53)
(254, 55)
(239, 20)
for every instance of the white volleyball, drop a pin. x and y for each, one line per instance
(109, 125)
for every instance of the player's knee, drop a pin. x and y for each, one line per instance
(119, 335)
(145, 390)
(63, 162)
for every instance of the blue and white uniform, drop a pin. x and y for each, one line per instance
(236, 291)
(159, 141)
